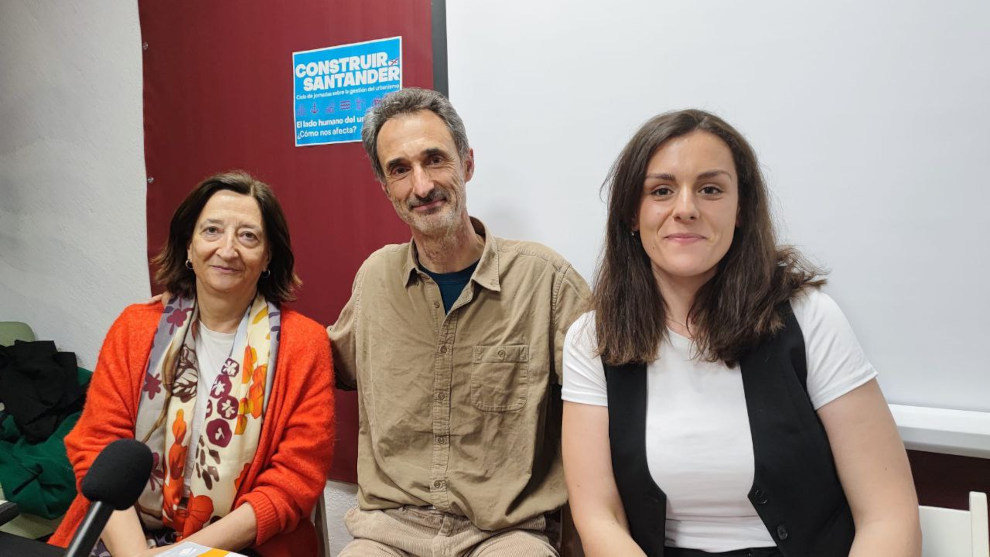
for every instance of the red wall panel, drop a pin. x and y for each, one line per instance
(218, 96)
(944, 480)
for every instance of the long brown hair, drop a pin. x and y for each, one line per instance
(734, 310)
(172, 274)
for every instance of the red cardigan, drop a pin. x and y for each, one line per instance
(290, 468)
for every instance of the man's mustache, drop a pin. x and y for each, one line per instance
(436, 194)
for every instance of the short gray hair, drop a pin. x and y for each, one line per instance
(408, 101)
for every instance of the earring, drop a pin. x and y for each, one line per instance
(632, 233)
(266, 273)
(189, 265)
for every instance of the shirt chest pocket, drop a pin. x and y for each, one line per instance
(500, 377)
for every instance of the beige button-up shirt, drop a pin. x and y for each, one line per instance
(460, 411)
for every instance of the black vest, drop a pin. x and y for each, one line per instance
(795, 489)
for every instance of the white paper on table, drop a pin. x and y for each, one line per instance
(191, 549)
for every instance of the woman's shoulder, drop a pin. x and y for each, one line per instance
(811, 306)
(581, 333)
(138, 317)
(301, 328)
(303, 350)
(131, 335)
(583, 325)
(299, 321)
(143, 310)
(836, 361)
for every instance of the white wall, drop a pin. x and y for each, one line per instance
(870, 119)
(72, 180)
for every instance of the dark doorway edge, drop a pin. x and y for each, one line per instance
(438, 9)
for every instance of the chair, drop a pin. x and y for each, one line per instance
(320, 521)
(333, 504)
(955, 533)
(11, 331)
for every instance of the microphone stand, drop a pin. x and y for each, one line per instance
(89, 530)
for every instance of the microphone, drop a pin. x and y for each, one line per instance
(114, 482)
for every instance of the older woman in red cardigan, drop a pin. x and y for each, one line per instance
(230, 391)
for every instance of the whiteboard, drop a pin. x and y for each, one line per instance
(871, 121)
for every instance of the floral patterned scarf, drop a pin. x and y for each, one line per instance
(232, 426)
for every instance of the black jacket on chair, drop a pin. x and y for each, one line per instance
(796, 491)
(39, 387)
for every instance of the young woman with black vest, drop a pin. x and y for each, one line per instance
(716, 401)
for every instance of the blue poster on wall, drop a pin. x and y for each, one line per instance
(333, 87)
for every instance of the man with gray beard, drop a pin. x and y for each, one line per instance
(453, 341)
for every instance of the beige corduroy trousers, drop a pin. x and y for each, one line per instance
(426, 532)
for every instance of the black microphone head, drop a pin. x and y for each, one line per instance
(119, 473)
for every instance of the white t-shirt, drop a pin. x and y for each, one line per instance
(212, 351)
(699, 447)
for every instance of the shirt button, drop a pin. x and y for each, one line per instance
(441, 439)
(438, 484)
(782, 532)
(501, 354)
(443, 349)
(441, 396)
(436, 304)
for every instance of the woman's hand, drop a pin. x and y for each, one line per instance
(162, 298)
(233, 532)
(875, 474)
(594, 497)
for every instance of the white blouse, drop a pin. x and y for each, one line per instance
(700, 449)
(212, 351)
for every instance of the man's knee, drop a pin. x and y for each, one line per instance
(522, 543)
